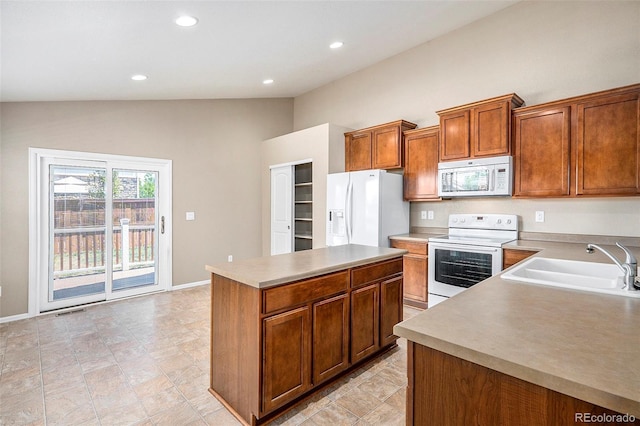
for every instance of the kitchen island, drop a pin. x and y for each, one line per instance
(505, 352)
(284, 326)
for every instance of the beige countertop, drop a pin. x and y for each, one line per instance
(581, 344)
(264, 272)
(421, 237)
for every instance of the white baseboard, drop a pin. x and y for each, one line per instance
(188, 285)
(14, 318)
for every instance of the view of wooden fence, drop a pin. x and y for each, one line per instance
(80, 234)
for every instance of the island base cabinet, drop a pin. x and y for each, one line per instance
(365, 317)
(390, 309)
(287, 357)
(330, 338)
(446, 390)
(273, 347)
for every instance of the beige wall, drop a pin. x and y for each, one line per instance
(540, 50)
(324, 144)
(215, 148)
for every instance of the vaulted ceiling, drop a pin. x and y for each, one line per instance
(89, 50)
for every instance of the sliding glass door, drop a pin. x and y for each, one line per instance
(102, 230)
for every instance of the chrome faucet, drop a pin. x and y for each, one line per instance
(629, 267)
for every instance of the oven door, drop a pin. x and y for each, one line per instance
(456, 267)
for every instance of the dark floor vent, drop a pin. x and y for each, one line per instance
(71, 312)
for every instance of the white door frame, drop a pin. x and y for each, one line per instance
(281, 193)
(290, 165)
(38, 255)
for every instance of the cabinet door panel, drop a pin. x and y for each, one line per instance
(387, 148)
(421, 165)
(415, 277)
(390, 309)
(608, 145)
(454, 135)
(541, 153)
(490, 124)
(358, 151)
(375, 272)
(510, 256)
(413, 247)
(330, 337)
(365, 314)
(287, 357)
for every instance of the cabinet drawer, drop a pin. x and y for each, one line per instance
(511, 257)
(290, 295)
(375, 272)
(414, 247)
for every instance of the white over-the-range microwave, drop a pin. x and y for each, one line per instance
(492, 176)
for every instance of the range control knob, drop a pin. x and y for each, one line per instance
(508, 221)
(462, 220)
(454, 220)
(499, 221)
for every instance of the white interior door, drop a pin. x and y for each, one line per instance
(281, 209)
(103, 228)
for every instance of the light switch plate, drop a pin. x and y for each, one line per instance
(191, 215)
(423, 214)
(539, 216)
(430, 215)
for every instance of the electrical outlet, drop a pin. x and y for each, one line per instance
(423, 214)
(230, 258)
(191, 216)
(539, 216)
(430, 215)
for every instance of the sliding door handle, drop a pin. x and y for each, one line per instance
(162, 225)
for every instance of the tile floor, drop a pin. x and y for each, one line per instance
(145, 361)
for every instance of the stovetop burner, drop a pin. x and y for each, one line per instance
(492, 230)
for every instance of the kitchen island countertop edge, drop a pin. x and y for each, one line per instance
(269, 271)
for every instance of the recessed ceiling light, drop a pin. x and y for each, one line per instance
(186, 21)
(138, 77)
(336, 45)
(267, 81)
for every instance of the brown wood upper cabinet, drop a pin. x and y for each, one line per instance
(479, 129)
(583, 146)
(378, 147)
(608, 144)
(541, 152)
(421, 164)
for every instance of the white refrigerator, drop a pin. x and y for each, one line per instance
(365, 207)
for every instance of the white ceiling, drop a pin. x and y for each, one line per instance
(88, 50)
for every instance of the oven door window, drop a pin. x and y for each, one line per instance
(461, 268)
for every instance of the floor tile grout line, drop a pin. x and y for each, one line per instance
(44, 403)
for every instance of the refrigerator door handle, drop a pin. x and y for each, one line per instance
(348, 205)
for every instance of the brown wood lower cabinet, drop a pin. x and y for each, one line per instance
(445, 390)
(287, 356)
(365, 318)
(512, 256)
(330, 337)
(414, 271)
(390, 308)
(271, 347)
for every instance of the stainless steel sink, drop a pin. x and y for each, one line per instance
(571, 274)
